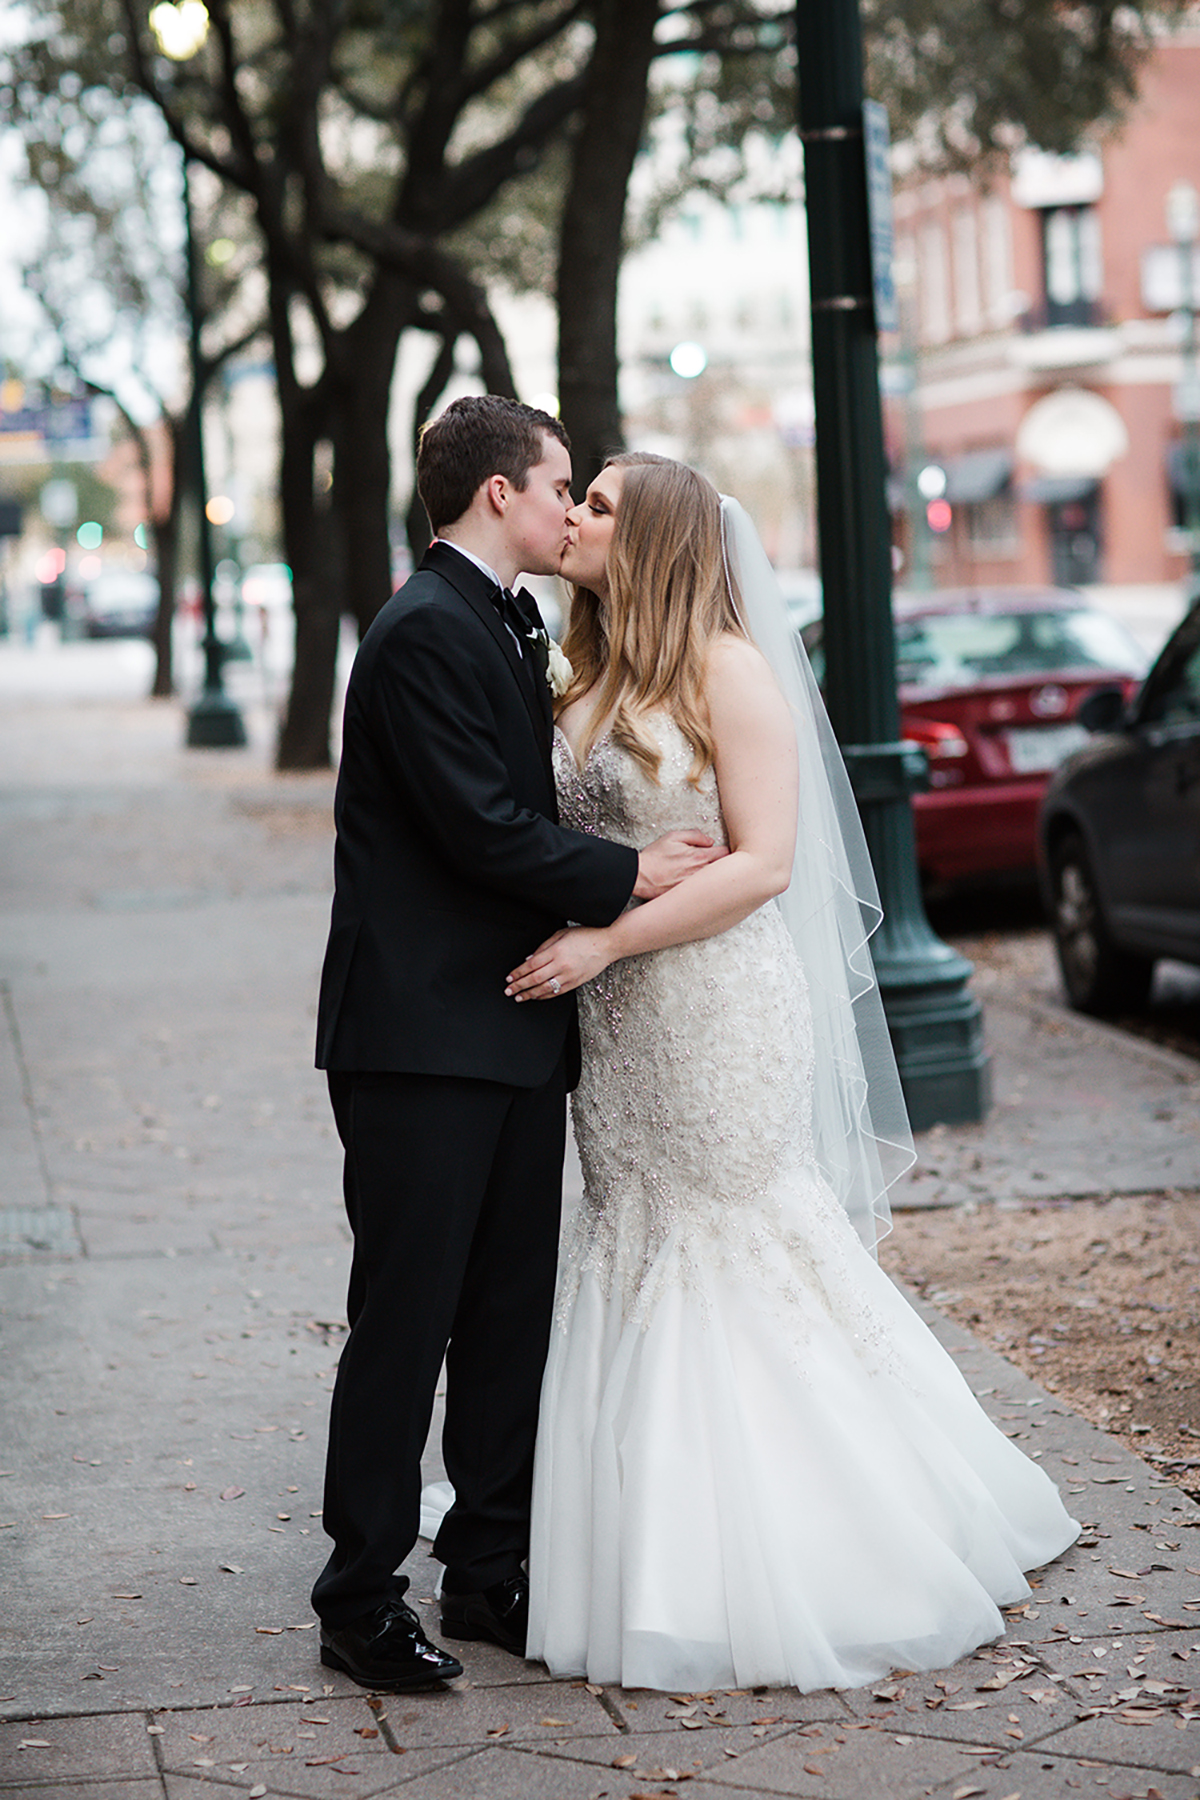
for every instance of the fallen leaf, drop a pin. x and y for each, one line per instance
(623, 1762)
(366, 1731)
(231, 1568)
(269, 1630)
(233, 1493)
(554, 1722)
(964, 1793)
(498, 1730)
(187, 1581)
(1000, 1679)
(34, 1744)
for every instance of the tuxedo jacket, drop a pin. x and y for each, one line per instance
(450, 866)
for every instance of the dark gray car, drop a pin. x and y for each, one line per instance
(1119, 834)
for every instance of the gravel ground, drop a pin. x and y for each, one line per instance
(1097, 1299)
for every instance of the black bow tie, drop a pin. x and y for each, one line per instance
(519, 611)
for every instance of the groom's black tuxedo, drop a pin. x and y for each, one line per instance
(450, 867)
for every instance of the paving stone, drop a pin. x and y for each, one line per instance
(689, 1753)
(870, 1764)
(643, 1710)
(963, 1702)
(349, 1779)
(535, 1712)
(60, 1749)
(127, 1788)
(1134, 1736)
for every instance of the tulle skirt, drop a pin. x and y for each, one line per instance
(737, 1488)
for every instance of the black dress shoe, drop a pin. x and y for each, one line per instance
(499, 1614)
(387, 1649)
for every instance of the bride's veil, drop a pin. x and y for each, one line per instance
(831, 908)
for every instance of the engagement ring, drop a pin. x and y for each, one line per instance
(555, 984)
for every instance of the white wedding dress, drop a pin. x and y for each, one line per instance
(755, 1464)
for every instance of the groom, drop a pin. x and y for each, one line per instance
(449, 868)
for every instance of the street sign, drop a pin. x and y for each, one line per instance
(877, 144)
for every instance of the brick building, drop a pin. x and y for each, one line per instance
(1042, 357)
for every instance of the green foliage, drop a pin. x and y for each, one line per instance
(966, 83)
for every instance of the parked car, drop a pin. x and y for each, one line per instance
(990, 681)
(120, 603)
(1120, 834)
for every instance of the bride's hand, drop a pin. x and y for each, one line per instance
(563, 962)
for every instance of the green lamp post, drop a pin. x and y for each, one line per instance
(214, 722)
(935, 1022)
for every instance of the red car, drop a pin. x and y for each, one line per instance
(990, 680)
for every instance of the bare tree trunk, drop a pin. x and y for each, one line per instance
(304, 735)
(316, 590)
(416, 523)
(592, 228)
(362, 465)
(165, 532)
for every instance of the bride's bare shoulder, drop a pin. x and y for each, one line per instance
(734, 662)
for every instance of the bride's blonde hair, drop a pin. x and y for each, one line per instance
(646, 647)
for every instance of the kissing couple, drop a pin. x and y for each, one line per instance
(703, 1441)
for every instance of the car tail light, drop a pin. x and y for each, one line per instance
(936, 739)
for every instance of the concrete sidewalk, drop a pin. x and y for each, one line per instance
(171, 1293)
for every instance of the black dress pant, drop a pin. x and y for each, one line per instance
(453, 1189)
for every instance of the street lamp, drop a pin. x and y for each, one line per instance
(214, 722)
(1183, 223)
(934, 1020)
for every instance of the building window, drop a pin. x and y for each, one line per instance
(935, 286)
(1074, 275)
(991, 527)
(968, 312)
(997, 259)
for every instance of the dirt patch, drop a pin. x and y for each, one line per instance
(1098, 1300)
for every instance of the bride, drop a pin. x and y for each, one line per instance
(755, 1465)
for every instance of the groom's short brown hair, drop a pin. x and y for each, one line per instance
(478, 436)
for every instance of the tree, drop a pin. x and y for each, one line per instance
(105, 271)
(371, 141)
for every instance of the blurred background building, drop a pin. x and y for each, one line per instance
(1041, 392)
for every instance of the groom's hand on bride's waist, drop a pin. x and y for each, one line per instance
(670, 859)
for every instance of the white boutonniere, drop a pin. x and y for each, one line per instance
(555, 666)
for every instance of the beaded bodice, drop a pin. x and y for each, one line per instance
(693, 1114)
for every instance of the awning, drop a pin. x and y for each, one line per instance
(977, 475)
(1059, 490)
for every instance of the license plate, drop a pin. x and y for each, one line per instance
(1043, 747)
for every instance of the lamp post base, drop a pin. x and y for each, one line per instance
(215, 723)
(934, 1021)
(936, 1027)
